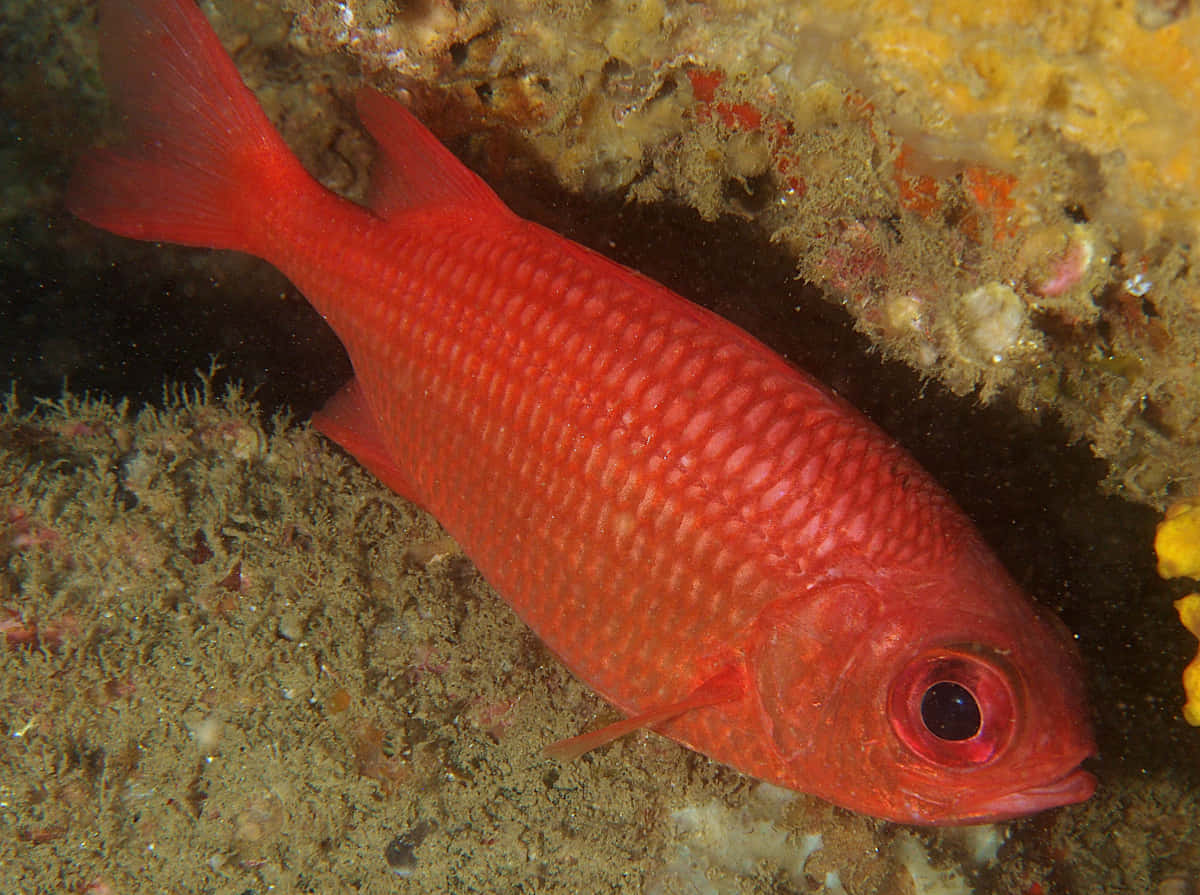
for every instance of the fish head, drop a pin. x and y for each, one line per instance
(936, 700)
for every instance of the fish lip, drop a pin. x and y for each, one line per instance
(1075, 786)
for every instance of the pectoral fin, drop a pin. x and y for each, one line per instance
(726, 685)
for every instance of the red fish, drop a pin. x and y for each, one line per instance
(712, 540)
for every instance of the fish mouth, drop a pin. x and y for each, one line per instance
(1075, 786)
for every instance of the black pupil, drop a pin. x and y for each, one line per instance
(950, 711)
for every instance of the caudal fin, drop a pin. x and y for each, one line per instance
(202, 162)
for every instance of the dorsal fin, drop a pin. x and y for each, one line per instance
(413, 169)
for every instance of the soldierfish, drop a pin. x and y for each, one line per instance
(715, 542)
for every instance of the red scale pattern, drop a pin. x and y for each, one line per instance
(624, 467)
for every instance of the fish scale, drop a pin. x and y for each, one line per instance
(484, 438)
(708, 537)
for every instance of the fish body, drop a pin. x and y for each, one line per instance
(710, 538)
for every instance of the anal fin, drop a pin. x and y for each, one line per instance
(346, 418)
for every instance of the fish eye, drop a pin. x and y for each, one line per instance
(954, 706)
(950, 711)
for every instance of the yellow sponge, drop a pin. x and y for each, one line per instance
(1189, 613)
(1177, 541)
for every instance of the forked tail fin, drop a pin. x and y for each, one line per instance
(202, 164)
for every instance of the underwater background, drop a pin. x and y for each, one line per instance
(233, 662)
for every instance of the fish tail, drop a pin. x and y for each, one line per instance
(202, 165)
